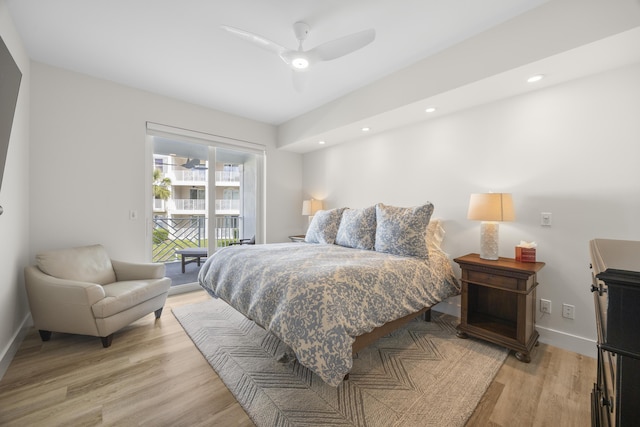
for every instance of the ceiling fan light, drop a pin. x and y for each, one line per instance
(300, 63)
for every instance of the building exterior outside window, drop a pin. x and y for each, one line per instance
(183, 215)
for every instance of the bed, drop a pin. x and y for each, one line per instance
(327, 298)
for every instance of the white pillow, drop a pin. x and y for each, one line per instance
(435, 233)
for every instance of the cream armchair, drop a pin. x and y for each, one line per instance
(82, 291)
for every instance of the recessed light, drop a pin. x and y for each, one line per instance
(321, 142)
(366, 129)
(430, 110)
(535, 78)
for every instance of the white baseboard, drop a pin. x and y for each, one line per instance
(450, 306)
(14, 344)
(585, 346)
(187, 287)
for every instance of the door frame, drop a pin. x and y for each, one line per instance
(212, 141)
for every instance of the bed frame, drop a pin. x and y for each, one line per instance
(368, 338)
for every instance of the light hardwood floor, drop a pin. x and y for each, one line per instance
(154, 375)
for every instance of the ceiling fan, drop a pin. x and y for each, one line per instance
(193, 164)
(300, 60)
(189, 164)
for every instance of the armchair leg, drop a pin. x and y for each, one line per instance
(106, 341)
(158, 312)
(45, 335)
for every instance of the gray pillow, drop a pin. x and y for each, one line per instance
(324, 226)
(358, 228)
(402, 231)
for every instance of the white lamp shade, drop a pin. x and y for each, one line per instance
(310, 207)
(491, 207)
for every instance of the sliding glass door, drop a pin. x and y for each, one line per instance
(236, 185)
(206, 195)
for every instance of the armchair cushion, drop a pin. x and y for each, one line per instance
(120, 296)
(83, 264)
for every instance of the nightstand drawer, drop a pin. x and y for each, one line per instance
(492, 279)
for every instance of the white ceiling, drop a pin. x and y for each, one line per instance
(454, 54)
(601, 55)
(177, 48)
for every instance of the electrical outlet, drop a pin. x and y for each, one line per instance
(569, 311)
(545, 219)
(545, 306)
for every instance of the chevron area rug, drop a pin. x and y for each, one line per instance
(420, 375)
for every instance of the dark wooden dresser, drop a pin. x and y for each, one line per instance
(615, 264)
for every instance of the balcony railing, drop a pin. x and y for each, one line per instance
(227, 205)
(190, 175)
(159, 205)
(171, 234)
(223, 206)
(189, 204)
(228, 176)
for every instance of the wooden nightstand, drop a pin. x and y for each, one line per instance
(499, 302)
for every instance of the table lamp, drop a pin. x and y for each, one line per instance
(490, 208)
(310, 207)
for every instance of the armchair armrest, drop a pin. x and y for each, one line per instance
(54, 290)
(137, 271)
(61, 304)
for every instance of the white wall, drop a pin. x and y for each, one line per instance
(89, 161)
(571, 150)
(14, 198)
(76, 167)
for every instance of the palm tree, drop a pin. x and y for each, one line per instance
(161, 190)
(161, 185)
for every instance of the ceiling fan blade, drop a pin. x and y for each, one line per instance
(256, 40)
(343, 45)
(193, 164)
(300, 80)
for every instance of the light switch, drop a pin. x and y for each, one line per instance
(545, 219)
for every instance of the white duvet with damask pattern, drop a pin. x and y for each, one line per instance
(316, 298)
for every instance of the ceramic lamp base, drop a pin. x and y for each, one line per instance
(489, 240)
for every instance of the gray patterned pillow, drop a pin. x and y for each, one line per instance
(402, 231)
(324, 226)
(357, 228)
